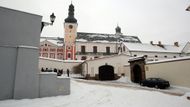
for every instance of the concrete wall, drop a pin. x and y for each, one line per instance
(20, 37)
(58, 64)
(50, 85)
(7, 73)
(176, 72)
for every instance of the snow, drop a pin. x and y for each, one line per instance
(124, 79)
(64, 61)
(153, 48)
(170, 60)
(81, 40)
(101, 41)
(85, 95)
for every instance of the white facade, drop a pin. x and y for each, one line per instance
(102, 49)
(91, 67)
(155, 52)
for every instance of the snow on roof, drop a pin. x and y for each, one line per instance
(153, 48)
(81, 40)
(55, 40)
(170, 60)
(103, 41)
(107, 37)
(64, 61)
(107, 57)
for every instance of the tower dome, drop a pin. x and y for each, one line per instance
(71, 18)
(118, 29)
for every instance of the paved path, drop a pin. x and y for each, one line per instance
(130, 85)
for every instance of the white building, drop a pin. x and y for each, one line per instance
(154, 52)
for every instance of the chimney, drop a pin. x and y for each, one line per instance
(176, 44)
(160, 44)
(151, 42)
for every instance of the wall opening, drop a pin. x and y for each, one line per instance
(137, 72)
(106, 72)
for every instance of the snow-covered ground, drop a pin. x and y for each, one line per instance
(88, 95)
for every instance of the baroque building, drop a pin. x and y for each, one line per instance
(87, 46)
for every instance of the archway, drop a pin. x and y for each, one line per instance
(137, 73)
(106, 72)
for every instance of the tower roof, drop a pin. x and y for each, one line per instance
(118, 29)
(71, 18)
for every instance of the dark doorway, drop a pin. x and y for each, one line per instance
(106, 72)
(137, 73)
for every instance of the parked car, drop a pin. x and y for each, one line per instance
(155, 82)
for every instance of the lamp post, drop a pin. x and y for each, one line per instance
(188, 8)
(52, 19)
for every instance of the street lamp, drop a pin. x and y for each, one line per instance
(52, 19)
(188, 8)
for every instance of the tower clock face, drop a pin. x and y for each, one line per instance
(70, 26)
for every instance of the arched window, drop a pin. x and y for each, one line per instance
(107, 50)
(83, 50)
(94, 49)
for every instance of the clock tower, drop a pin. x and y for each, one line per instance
(70, 27)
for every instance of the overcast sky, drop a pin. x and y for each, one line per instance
(150, 20)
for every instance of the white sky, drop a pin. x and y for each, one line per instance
(150, 20)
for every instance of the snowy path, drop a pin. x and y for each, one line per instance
(87, 95)
(132, 86)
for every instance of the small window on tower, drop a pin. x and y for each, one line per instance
(70, 26)
(69, 48)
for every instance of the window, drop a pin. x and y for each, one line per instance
(95, 49)
(52, 50)
(83, 58)
(174, 56)
(135, 55)
(107, 50)
(69, 48)
(52, 55)
(45, 49)
(123, 48)
(45, 55)
(59, 56)
(83, 49)
(96, 57)
(45, 44)
(156, 56)
(69, 55)
(145, 56)
(165, 56)
(59, 50)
